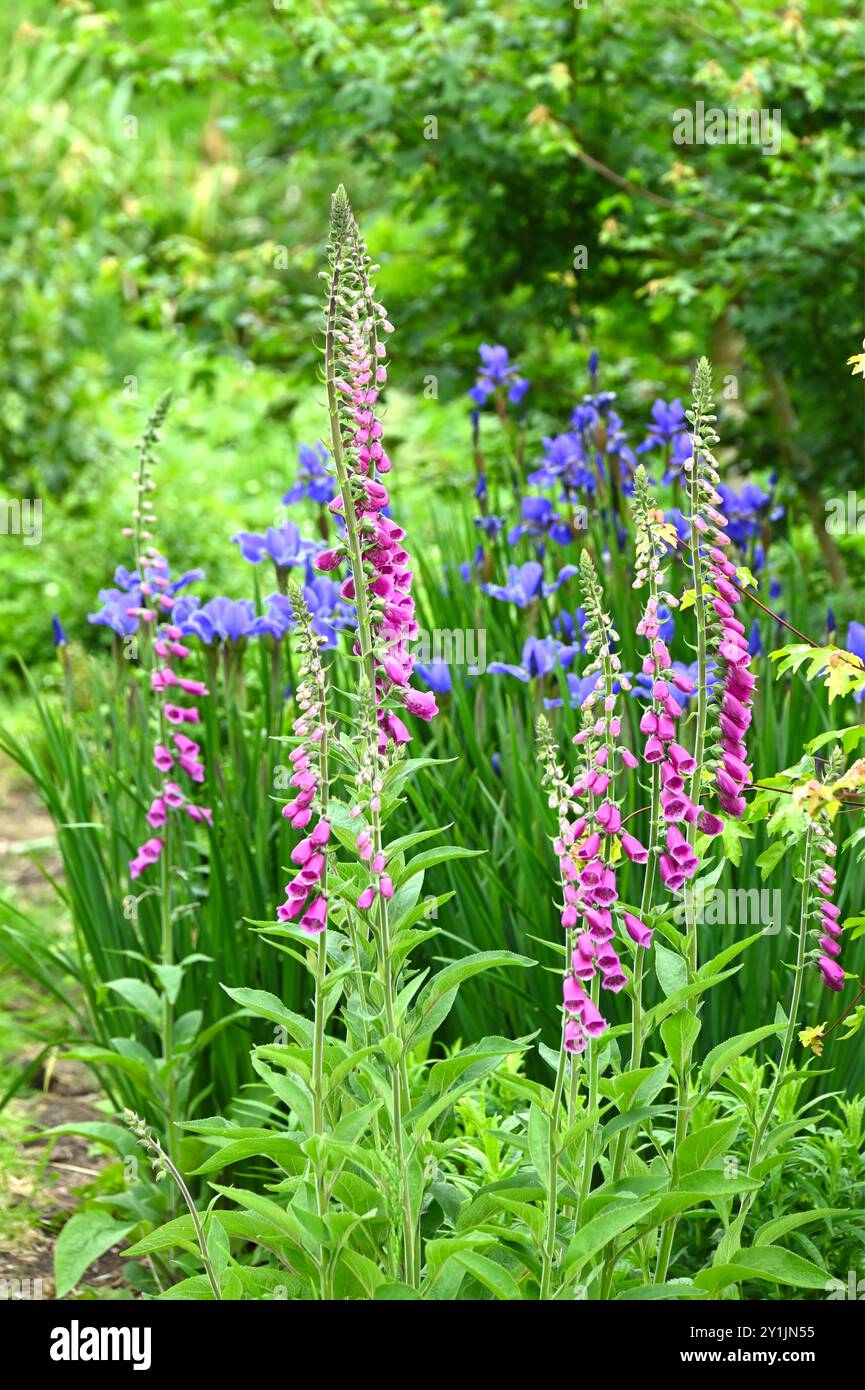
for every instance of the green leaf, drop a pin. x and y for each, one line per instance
(181, 1232)
(291, 1091)
(195, 1290)
(685, 1289)
(86, 1236)
(263, 1005)
(105, 1057)
(700, 1147)
(603, 1228)
(679, 1033)
(171, 978)
(720, 1057)
(101, 1132)
(490, 1274)
(773, 1230)
(631, 1118)
(770, 1263)
(441, 989)
(141, 997)
(539, 1142)
(670, 968)
(276, 1146)
(431, 857)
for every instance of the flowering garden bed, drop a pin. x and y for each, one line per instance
(405, 973)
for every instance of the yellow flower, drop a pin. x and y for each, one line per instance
(859, 359)
(813, 1038)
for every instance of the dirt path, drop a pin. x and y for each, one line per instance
(39, 1181)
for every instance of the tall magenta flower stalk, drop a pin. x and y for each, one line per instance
(722, 712)
(177, 758)
(306, 896)
(605, 758)
(723, 703)
(379, 585)
(580, 1018)
(667, 762)
(818, 925)
(381, 577)
(589, 833)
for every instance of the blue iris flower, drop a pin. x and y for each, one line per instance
(856, 645)
(490, 525)
(220, 619)
(314, 482)
(326, 609)
(437, 676)
(539, 518)
(579, 689)
(526, 583)
(563, 464)
(667, 624)
(666, 423)
(57, 632)
(496, 371)
(570, 627)
(539, 656)
(283, 544)
(745, 511)
(117, 602)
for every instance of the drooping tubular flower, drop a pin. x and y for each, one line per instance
(153, 596)
(716, 597)
(306, 894)
(381, 577)
(604, 759)
(580, 1013)
(822, 911)
(369, 782)
(174, 752)
(671, 805)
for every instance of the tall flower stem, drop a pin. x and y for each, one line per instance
(702, 711)
(364, 628)
(399, 1074)
(591, 1104)
(702, 404)
(399, 1071)
(166, 956)
(164, 1165)
(624, 1142)
(790, 1031)
(553, 1174)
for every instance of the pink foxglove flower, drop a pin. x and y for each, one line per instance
(306, 894)
(380, 582)
(822, 910)
(172, 796)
